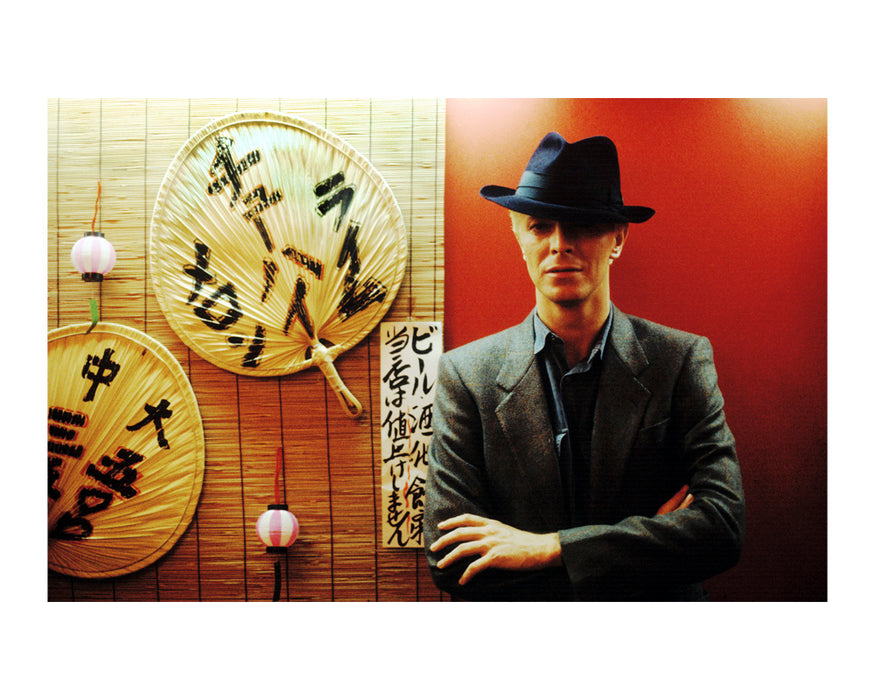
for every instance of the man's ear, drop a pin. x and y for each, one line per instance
(620, 236)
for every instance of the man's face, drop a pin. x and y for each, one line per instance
(568, 263)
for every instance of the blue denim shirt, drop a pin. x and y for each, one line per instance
(571, 395)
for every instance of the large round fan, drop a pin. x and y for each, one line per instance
(275, 246)
(125, 450)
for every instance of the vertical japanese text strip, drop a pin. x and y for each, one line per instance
(409, 355)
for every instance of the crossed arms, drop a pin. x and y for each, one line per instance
(494, 545)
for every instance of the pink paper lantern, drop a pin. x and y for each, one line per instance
(93, 256)
(277, 528)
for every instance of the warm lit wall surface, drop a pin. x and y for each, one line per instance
(736, 251)
(332, 471)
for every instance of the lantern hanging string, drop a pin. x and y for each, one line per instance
(95, 316)
(277, 580)
(277, 576)
(276, 475)
(96, 201)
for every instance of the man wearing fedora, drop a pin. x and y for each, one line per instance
(582, 454)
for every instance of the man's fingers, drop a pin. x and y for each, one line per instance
(673, 502)
(466, 549)
(474, 568)
(492, 544)
(686, 502)
(462, 528)
(462, 534)
(459, 534)
(463, 519)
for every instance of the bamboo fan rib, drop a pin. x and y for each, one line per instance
(125, 450)
(275, 246)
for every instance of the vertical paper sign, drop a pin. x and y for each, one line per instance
(409, 355)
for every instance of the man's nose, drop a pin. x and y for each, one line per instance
(559, 240)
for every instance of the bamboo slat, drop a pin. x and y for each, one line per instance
(331, 471)
(309, 562)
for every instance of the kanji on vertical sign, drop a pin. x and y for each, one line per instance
(409, 354)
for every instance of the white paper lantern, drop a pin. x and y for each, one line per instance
(93, 256)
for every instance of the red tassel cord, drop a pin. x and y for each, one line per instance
(94, 220)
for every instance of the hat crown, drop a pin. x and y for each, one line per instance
(586, 172)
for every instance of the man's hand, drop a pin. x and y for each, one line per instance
(679, 501)
(495, 546)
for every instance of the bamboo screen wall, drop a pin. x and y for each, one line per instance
(331, 478)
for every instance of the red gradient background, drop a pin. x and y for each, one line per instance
(737, 251)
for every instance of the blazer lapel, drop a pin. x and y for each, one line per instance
(525, 420)
(619, 409)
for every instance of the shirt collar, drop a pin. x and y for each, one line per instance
(544, 335)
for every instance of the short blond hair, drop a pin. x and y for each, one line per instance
(517, 218)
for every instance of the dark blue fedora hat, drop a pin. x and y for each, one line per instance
(574, 182)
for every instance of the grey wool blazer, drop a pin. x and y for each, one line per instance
(659, 424)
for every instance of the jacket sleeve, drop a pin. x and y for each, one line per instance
(685, 546)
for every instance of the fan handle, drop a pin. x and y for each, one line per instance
(322, 358)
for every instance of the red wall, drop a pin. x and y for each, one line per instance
(737, 251)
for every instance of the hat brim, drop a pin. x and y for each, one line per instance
(507, 198)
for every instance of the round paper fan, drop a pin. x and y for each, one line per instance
(275, 246)
(125, 450)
